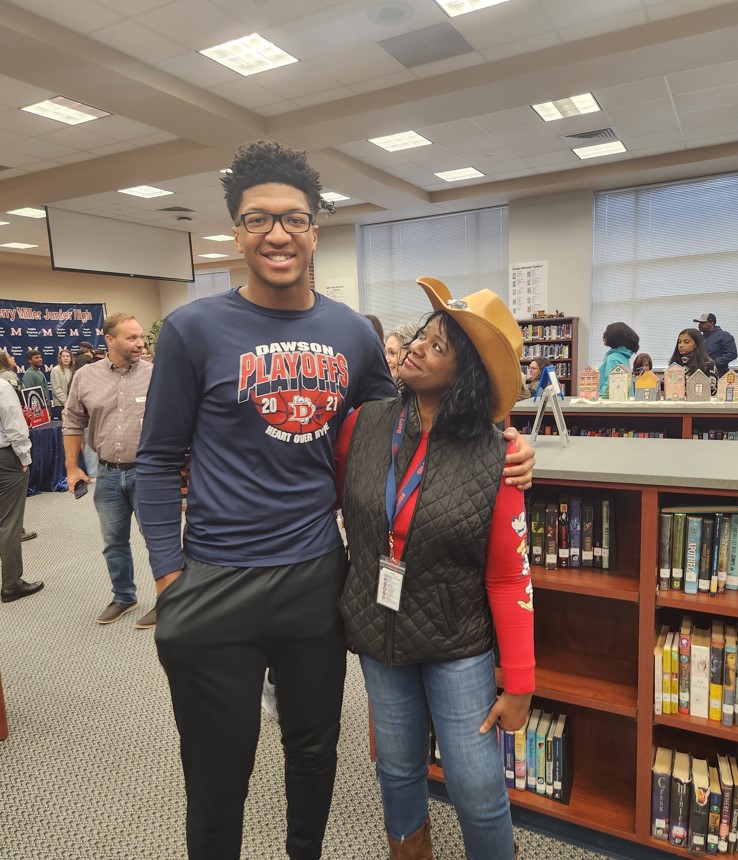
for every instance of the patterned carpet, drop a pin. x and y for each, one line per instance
(91, 770)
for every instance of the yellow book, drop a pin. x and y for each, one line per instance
(717, 663)
(675, 673)
(666, 668)
(658, 670)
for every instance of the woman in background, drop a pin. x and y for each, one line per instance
(61, 376)
(691, 354)
(642, 362)
(622, 343)
(8, 371)
(532, 377)
(377, 324)
(395, 346)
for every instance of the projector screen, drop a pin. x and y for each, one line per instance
(105, 246)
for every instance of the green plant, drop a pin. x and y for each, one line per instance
(152, 337)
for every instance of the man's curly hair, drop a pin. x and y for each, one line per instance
(263, 162)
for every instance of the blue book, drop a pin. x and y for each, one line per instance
(732, 578)
(575, 532)
(508, 739)
(530, 749)
(692, 553)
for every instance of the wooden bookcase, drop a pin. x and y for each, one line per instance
(675, 420)
(595, 630)
(546, 341)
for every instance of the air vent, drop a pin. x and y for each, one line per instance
(175, 209)
(590, 138)
(428, 45)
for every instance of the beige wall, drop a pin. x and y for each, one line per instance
(336, 262)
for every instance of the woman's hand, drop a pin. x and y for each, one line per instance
(518, 470)
(510, 711)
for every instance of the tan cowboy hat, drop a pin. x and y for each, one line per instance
(495, 334)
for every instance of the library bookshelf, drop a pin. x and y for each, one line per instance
(674, 420)
(557, 340)
(595, 630)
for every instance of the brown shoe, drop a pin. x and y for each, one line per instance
(115, 611)
(416, 846)
(23, 589)
(147, 621)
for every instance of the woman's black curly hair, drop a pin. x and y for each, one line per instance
(466, 405)
(263, 162)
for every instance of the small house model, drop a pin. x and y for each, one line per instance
(618, 383)
(698, 387)
(589, 383)
(675, 383)
(726, 390)
(647, 386)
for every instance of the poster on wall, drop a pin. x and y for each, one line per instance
(337, 292)
(36, 411)
(528, 288)
(48, 327)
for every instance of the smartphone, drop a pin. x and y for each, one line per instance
(80, 489)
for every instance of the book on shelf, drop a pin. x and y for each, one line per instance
(549, 757)
(677, 550)
(520, 768)
(732, 577)
(563, 532)
(717, 660)
(575, 532)
(658, 674)
(699, 674)
(563, 774)
(551, 546)
(699, 806)
(508, 751)
(726, 802)
(544, 724)
(666, 673)
(713, 815)
(608, 534)
(587, 533)
(675, 673)
(733, 834)
(729, 675)
(722, 549)
(706, 573)
(530, 749)
(693, 543)
(685, 647)
(597, 533)
(665, 522)
(537, 533)
(679, 803)
(661, 793)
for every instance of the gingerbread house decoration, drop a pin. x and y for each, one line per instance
(698, 387)
(618, 383)
(589, 383)
(727, 390)
(675, 382)
(647, 386)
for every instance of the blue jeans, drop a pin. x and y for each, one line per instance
(459, 695)
(115, 501)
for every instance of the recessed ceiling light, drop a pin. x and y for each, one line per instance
(21, 246)
(457, 175)
(573, 106)
(219, 238)
(65, 110)
(403, 140)
(333, 196)
(600, 149)
(213, 256)
(226, 170)
(144, 191)
(28, 212)
(249, 55)
(460, 7)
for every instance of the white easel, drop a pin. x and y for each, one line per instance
(550, 391)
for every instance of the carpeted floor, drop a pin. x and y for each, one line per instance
(91, 769)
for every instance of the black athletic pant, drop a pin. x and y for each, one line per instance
(217, 630)
(13, 488)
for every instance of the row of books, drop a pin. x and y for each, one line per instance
(553, 350)
(546, 332)
(719, 435)
(536, 758)
(573, 532)
(698, 549)
(614, 432)
(694, 802)
(694, 671)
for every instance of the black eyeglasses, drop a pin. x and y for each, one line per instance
(263, 222)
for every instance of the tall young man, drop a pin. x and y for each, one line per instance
(259, 404)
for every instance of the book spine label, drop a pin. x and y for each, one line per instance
(677, 551)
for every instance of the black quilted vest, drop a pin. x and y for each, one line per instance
(444, 612)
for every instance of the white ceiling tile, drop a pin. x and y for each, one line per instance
(17, 94)
(588, 29)
(509, 22)
(383, 82)
(719, 97)
(78, 137)
(522, 46)
(246, 93)
(506, 119)
(196, 24)
(666, 139)
(27, 124)
(199, 70)
(551, 159)
(7, 136)
(705, 78)
(357, 63)
(452, 64)
(75, 158)
(152, 139)
(11, 158)
(525, 148)
(121, 128)
(137, 41)
(646, 118)
(660, 10)
(478, 144)
(657, 150)
(82, 16)
(114, 149)
(277, 108)
(449, 130)
(633, 93)
(260, 15)
(323, 97)
(710, 137)
(133, 7)
(297, 79)
(707, 118)
(40, 148)
(571, 13)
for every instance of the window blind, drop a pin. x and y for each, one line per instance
(467, 251)
(663, 255)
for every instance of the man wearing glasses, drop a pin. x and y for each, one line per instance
(256, 382)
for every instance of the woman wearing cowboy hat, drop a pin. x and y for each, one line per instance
(438, 567)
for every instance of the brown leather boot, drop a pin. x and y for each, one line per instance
(416, 846)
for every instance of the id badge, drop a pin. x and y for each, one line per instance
(389, 589)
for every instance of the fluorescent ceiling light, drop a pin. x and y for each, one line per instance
(573, 106)
(21, 246)
(219, 238)
(65, 110)
(249, 55)
(213, 256)
(144, 191)
(3, 223)
(458, 175)
(333, 197)
(28, 212)
(403, 140)
(460, 7)
(226, 170)
(601, 149)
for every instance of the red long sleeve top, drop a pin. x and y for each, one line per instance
(507, 572)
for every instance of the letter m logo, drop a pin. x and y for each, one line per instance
(73, 332)
(47, 332)
(16, 332)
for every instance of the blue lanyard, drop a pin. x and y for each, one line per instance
(395, 500)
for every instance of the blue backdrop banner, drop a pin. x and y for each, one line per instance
(47, 327)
